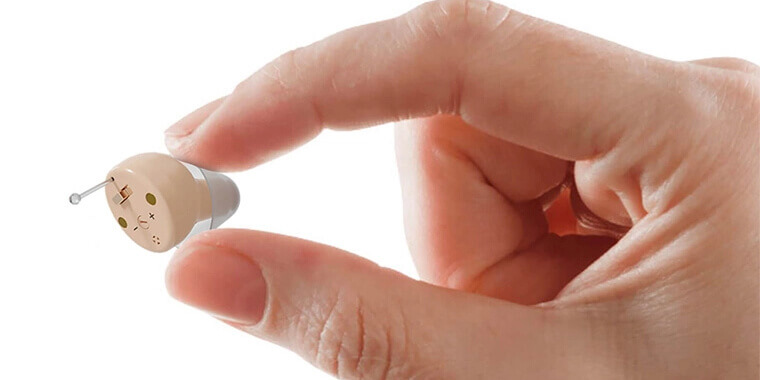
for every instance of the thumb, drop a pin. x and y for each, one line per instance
(355, 319)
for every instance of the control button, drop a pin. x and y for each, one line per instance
(122, 195)
(142, 222)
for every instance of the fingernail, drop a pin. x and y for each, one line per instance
(186, 126)
(180, 130)
(194, 121)
(219, 281)
(175, 143)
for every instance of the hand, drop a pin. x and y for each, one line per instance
(662, 159)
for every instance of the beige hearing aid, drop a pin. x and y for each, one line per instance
(159, 201)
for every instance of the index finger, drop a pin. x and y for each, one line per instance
(515, 77)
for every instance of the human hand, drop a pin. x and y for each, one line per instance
(665, 158)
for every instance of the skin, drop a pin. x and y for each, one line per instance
(498, 113)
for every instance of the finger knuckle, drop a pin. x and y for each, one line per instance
(459, 18)
(737, 88)
(741, 94)
(283, 70)
(347, 341)
(739, 64)
(750, 94)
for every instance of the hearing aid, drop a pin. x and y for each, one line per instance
(159, 201)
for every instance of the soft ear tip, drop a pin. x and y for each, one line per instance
(225, 197)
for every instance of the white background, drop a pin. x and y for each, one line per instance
(84, 85)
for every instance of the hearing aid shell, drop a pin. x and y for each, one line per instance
(159, 201)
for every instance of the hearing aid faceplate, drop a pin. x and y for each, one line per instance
(156, 200)
(159, 201)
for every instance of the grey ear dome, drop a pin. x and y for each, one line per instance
(225, 197)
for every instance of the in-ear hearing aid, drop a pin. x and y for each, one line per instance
(159, 201)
